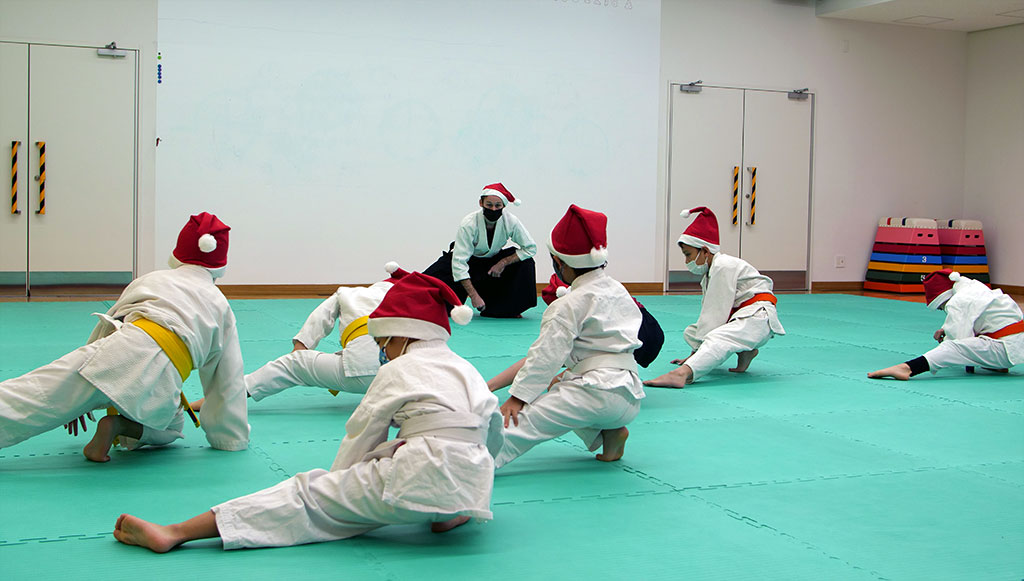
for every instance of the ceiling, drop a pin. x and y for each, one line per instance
(961, 15)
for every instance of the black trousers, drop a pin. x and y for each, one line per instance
(506, 296)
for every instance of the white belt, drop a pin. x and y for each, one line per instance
(623, 361)
(462, 426)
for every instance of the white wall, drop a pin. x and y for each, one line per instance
(334, 136)
(133, 25)
(890, 102)
(995, 146)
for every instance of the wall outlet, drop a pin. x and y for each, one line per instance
(840, 261)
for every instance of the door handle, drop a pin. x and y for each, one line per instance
(753, 195)
(14, 177)
(735, 194)
(41, 178)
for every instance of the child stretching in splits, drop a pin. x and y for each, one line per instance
(439, 468)
(164, 324)
(593, 332)
(350, 370)
(983, 327)
(737, 312)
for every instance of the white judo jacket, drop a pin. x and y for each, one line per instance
(346, 305)
(131, 369)
(975, 309)
(598, 318)
(729, 282)
(429, 473)
(471, 240)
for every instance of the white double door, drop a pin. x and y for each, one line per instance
(68, 226)
(719, 132)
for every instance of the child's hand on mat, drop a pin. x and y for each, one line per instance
(511, 408)
(939, 335)
(683, 360)
(72, 426)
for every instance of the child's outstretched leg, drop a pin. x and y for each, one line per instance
(132, 530)
(614, 444)
(445, 526)
(743, 359)
(107, 429)
(677, 378)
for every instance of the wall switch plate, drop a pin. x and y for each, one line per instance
(840, 261)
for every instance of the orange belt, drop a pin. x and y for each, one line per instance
(754, 299)
(1011, 329)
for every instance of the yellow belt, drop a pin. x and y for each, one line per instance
(354, 329)
(176, 351)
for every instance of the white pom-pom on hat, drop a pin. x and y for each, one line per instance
(207, 243)
(518, 202)
(685, 213)
(390, 267)
(599, 254)
(954, 276)
(561, 291)
(462, 315)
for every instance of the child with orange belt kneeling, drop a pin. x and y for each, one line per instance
(737, 313)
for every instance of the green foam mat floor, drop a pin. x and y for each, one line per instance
(801, 468)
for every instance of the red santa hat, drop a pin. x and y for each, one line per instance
(203, 242)
(580, 238)
(417, 307)
(938, 287)
(395, 271)
(555, 289)
(703, 231)
(502, 192)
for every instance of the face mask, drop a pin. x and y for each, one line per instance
(492, 215)
(383, 357)
(698, 269)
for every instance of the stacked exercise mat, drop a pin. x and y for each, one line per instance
(905, 250)
(963, 248)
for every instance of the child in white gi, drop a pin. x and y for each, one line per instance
(983, 328)
(592, 331)
(165, 324)
(737, 311)
(350, 370)
(500, 281)
(439, 469)
(651, 336)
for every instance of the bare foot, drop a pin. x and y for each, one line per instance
(197, 405)
(677, 378)
(614, 444)
(901, 372)
(445, 526)
(743, 359)
(132, 530)
(98, 448)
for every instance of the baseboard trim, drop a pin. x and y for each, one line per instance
(837, 286)
(312, 291)
(1009, 289)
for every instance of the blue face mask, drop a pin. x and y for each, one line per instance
(383, 357)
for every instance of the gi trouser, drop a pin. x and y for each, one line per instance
(304, 367)
(568, 406)
(737, 335)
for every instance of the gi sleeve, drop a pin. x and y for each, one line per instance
(225, 416)
(519, 235)
(464, 245)
(368, 425)
(495, 433)
(320, 322)
(548, 354)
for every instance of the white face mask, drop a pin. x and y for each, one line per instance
(698, 269)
